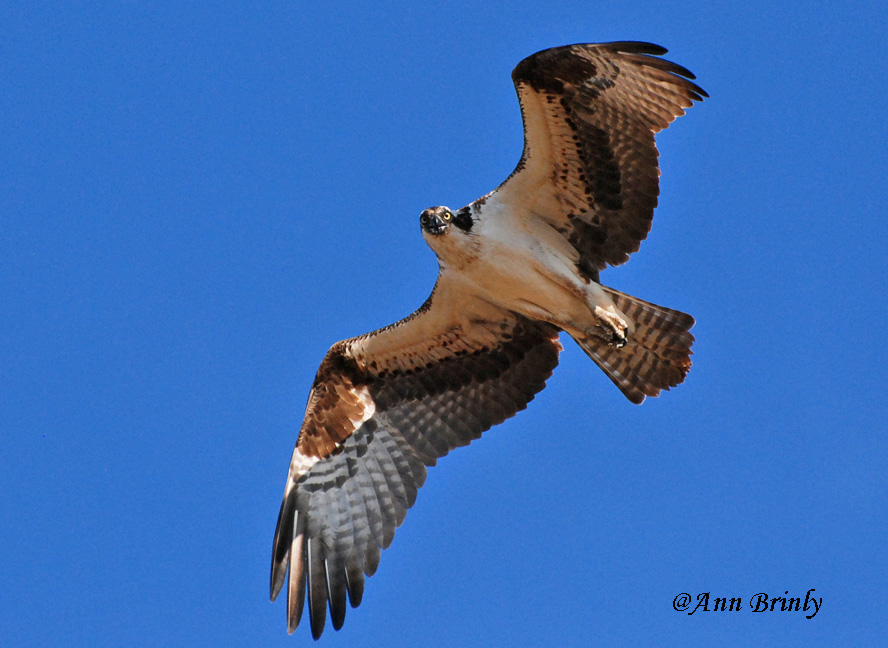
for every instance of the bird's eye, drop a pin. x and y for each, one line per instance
(447, 216)
(424, 219)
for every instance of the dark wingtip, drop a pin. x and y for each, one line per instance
(317, 586)
(337, 616)
(537, 69)
(695, 92)
(337, 588)
(280, 550)
(277, 584)
(636, 47)
(355, 585)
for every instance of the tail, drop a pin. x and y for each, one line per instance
(657, 354)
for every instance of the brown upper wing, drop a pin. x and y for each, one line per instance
(589, 166)
(383, 407)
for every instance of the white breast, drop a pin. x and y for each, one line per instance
(524, 265)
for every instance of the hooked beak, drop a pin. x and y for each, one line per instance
(437, 225)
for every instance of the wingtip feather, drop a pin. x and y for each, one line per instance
(637, 47)
(317, 586)
(337, 588)
(295, 585)
(355, 584)
(280, 550)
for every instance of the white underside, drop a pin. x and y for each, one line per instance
(522, 265)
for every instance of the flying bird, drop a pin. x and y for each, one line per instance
(516, 267)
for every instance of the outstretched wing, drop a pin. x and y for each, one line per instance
(383, 407)
(589, 166)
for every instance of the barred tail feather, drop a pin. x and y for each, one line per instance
(657, 355)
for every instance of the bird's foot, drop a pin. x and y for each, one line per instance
(610, 327)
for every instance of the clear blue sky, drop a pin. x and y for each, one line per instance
(197, 199)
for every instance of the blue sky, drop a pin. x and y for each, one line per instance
(198, 199)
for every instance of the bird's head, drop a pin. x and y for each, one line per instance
(447, 232)
(436, 220)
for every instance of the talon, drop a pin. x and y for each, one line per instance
(611, 328)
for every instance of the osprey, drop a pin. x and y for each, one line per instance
(516, 268)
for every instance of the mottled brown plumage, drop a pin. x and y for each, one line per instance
(342, 506)
(517, 267)
(593, 112)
